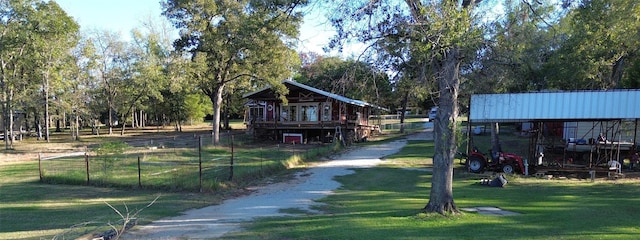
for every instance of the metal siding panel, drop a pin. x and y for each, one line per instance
(531, 106)
(575, 108)
(629, 105)
(600, 103)
(626, 103)
(613, 102)
(582, 105)
(609, 106)
(555, 108)
(514, 106)
(542, 106)
(550, 110)
(567, 104)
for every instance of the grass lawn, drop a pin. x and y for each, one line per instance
(30, 209)
(385, 203)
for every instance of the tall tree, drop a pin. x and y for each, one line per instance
(35, 36)
(350, 78)
(111, 67)
(441, 35)
(601, 46)
(81, 85)
(234, 41)
(517, 46)
(56, 34)
(14, 37)
(147, 78)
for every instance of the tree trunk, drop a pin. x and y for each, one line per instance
(110, 121)
(58, 129)
(447, 76)
(142, 119)
(77, 123)
(216, 99)
(10, 121)
(616, 72)
(124, 122)
(226, 112)
(134, 120)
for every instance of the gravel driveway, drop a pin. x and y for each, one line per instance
(267, 201)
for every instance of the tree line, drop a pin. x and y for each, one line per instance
(53, 73)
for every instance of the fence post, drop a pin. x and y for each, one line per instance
(200, 160)
(40, 166)
(86, 163)
(231, 163)
(139, 175)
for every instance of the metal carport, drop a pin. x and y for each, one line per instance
(557, 106)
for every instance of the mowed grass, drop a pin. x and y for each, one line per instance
(385, 202)
(30, 209)
(33, 210)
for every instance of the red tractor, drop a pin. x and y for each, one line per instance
(509, 163)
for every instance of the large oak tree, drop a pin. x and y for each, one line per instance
(235, 40)
(439, 36)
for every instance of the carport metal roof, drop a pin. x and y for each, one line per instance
(556, 106)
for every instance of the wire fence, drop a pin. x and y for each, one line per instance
(407, 125)
(179, 164)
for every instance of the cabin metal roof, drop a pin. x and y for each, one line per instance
(292, 84)
(560, 106)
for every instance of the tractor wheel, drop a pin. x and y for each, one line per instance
(508, 169)
(475, 164)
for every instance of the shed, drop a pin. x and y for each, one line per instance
(556, 106)
(589, 121)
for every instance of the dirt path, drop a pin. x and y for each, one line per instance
(267, 201)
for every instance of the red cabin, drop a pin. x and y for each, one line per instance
(311, 115)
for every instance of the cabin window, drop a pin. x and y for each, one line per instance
(326, 112)
(312, 113)
(303, 112)
(289, 113)
(256, 113)
(293, 113)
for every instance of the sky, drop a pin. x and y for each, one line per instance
(124, 15)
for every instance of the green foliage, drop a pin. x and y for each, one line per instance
(112, 148)
(233, 41)
(350, 78)
(516, 49)
(35, 37)
(600, 48)
(197, 107)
